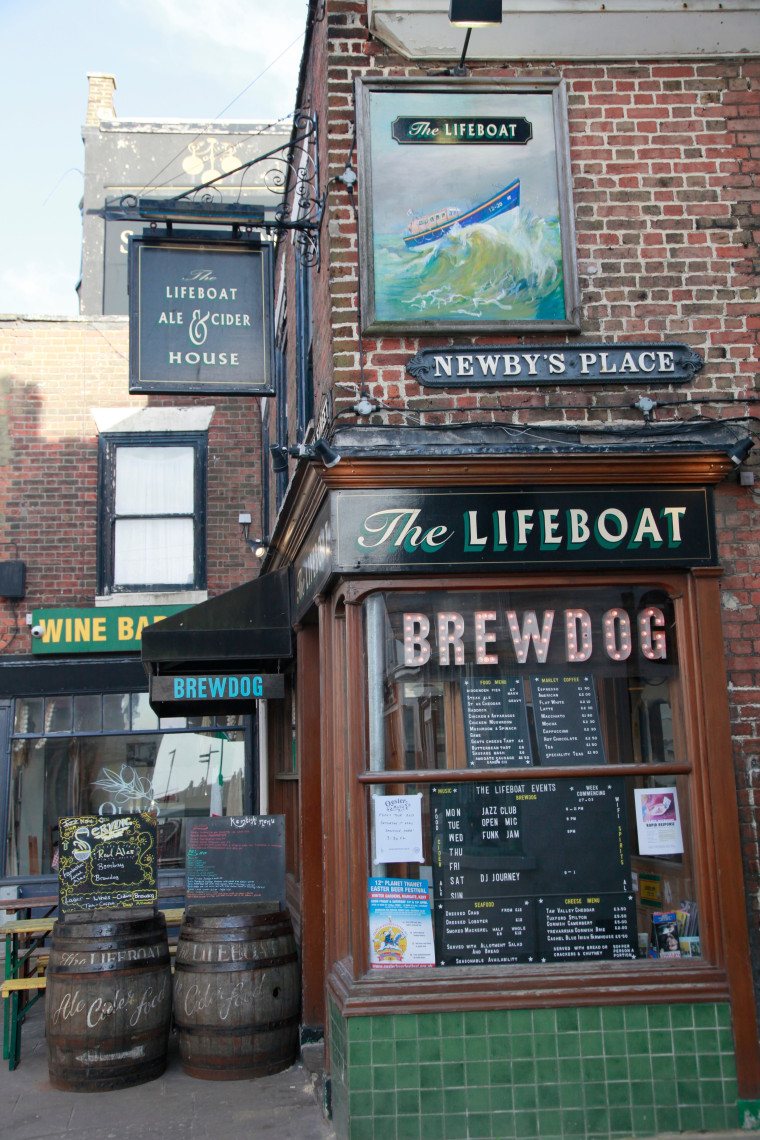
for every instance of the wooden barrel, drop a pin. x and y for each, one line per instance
(236, 992)
(108, 1000)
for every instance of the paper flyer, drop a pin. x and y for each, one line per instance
(400, 924)
(658, 821)
(398, 829)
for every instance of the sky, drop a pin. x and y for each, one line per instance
(173, 59)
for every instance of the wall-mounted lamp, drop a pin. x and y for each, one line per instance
(741, 450)
(259, 546)
(319, 450)
(472, 14)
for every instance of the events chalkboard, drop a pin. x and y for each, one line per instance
(237, 858)
(106, 861)
(496, 722)
(566, 717)
(531, 871)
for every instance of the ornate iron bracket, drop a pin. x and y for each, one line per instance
(293, 173)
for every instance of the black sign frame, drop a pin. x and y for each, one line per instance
(174, 324)
(107, 862)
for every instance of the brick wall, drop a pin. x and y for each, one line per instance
(52, 374)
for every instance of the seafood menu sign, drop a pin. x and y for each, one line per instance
(200, 316)
(107, 861)
(466, 219)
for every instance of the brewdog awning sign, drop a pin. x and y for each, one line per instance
(200, 316)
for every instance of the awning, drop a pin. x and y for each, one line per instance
(251, 623)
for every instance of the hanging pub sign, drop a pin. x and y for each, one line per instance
(505, 528)
(200, 316)
(498, 366)
(466, 221)
(213, 692)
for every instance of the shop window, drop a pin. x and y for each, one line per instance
(108, 754)
(152, 512)
(543, 732)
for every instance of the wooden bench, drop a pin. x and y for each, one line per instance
(11, 991)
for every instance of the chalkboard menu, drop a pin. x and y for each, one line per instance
(567, 720)
(237, 858)
(495, 722)
(106, 861)
(531, 871)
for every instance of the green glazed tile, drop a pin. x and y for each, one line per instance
(404, 1027)
(618, 1094)
(621, 1121)
(408, 1102)
(709, 1065)
(499, 1048)
(523, 1046)
(689, 1092)
(706, 1040)
(685, 1041)
(725, 1041)
(359, 1028)
(430, 1102)
(547, 1071)
(383, 1053)
(500, 1073)
(545, 1020)
(589, 1017)
(478, 1126)
(568, 1044)
(686, 1067)
(526, 1125)
(454, 1100)
(690, 1118)
(644, 1121)
(475, 1024)
(452, 1049)
(520, 1021)
(715, 1118)
(705, 1016)
(408, 1128)
(711, 1091)
(502, 1099)
(548, 1095)
(523, 1072)
(664, 1067)
(642, 1093)
(382, 1027)
(454, 1075)
(429, 1025)
(452, 1025)
(616, 1068)
(573, 1122)
(661, 1041)
(476, 1048)
(594, 1094)
(571, 1096)
(360, 1077)
(497, 1022)
(728, 1065)
(384, 1103)
(592, 1043)
(666, 1094)
(431, 1077)
(383, 1077)
(615, 1044)
(503, 1126)
(658, 1016)
(363, 1128)
(361, 1054)
(545, 1045)
(569, 1070)
(681, 1016)
(635, 1017)
(667, 1119)
(431, 1128)
(358, 1103)
(476, 1074)
(637, 1043)
(640, 1068)
(592, 1069)
(612, 1018)
(567, 1020)
(408, 1077)
(406, 1052)
(454, 1127)
(597, 1124)
(524, 1097)
(723, 1013)
(429, 1049)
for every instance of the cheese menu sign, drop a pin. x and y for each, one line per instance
(200, 316)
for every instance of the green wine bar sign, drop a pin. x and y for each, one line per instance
(116, 629)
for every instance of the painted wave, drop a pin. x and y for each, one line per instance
(507, 269)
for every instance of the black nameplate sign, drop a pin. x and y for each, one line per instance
(213, 692)
(531, 871)
(495, 722)
(237, 859)
(106, 861)
(200, 316)
(496, 366)
(566, 717)
(479, 131)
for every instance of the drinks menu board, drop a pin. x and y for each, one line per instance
(237, 859)
(496, 722)
(107, 861)
(566, 716)
(531, 871)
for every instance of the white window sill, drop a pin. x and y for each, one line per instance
(153, 598)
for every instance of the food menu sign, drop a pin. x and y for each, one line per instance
(107, 862)
(237, 859)
(531, 871)
(200, 316)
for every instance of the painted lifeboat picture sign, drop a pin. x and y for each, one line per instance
(200, 316)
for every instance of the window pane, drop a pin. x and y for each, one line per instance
(112, 775)
(143, 715)
(28, 717)
(58, 714)
(115, 711)
(154, 480)
(87, 713)
(153, 552)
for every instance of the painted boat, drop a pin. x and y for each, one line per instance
(434, 226)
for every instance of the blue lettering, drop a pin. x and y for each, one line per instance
(245, 686)
(217, 686)
(191, 687)
(233, 689)
(258, 687)
(179, 687)
(202, 688)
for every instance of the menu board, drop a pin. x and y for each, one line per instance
(495, 722)
(566, 717)
(237, 858)
(531, 871)
(106, 861)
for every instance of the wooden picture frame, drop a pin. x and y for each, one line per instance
(466, 220)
